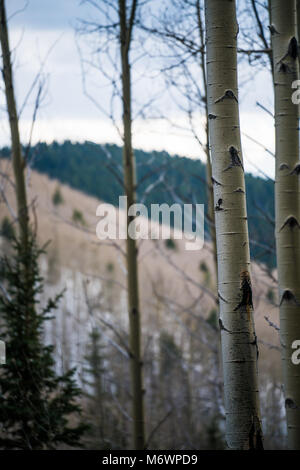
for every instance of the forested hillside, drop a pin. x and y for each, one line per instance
(116, 333)
(93, 169)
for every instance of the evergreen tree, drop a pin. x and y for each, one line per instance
(36, 404)
(7, 230)
(95, 394)
(57, 198)
(104, 431)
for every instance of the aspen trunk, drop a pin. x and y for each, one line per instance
(17, 158)
(298, 27)
(239, 344)
(287, 203)
(136, 364)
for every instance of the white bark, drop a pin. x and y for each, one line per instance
(287, 202)
(239, 345)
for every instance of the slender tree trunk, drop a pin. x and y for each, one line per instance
(17, 158)
(136, 364)
(298, 27)
(239, 345)
(2, 352)
(287, 203)
(210, 204)
(209, 186)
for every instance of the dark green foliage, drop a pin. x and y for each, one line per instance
(57, 197)
(103, 432)
(110, 267)
(215, 439)
(84, 167)
(170, 244)
(170, 354)
(261, 217)
(271, 296)
(36, 405)
(95, 394)
(7, 230)
(213, 318)
(203, 267)
(206, 272)
(77, 217)
(175, 390)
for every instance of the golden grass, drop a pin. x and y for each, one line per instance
(79, 249)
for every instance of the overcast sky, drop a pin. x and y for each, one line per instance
(66, 113)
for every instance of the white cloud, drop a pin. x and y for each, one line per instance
(67, 114)
(154, 135)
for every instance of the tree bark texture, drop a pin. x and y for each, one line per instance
(17, 158)
(136, 364)
(238, 338)
(287, 202)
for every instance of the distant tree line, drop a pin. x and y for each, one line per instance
(84, 166)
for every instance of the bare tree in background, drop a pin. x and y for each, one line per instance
(127, 18)
(254, 16)
(179, 49)
(182, 52)
(119, 19)
(17, 157)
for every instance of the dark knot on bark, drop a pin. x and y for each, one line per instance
(289, 297)
(290, 222)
